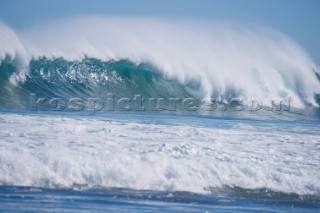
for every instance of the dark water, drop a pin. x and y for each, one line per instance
(30, 199)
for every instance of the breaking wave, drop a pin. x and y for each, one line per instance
(91, 56)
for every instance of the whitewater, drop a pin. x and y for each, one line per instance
(224, 159)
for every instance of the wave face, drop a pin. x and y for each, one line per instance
(86, 78)
(95, 55)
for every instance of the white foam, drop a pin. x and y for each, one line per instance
(226, 60)
(51, 150)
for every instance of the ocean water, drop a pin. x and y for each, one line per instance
(104, 114)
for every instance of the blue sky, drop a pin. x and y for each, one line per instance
(299, 19)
